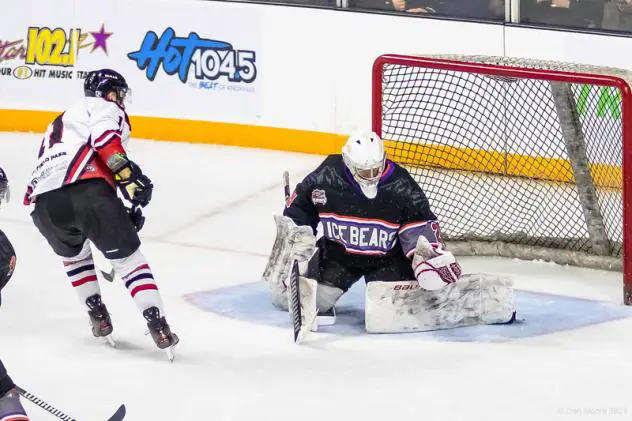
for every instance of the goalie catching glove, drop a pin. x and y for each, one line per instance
(434, 267)
(135, 186)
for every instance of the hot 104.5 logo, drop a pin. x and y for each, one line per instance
(210, 59)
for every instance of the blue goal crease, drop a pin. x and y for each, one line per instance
(538, 314)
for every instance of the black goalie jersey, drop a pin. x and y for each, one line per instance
(358, 230)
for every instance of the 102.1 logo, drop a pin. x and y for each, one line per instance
(211, 59)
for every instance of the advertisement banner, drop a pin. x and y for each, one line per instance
(188, 60)
(45, 54)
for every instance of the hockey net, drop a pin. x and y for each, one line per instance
(519, 158)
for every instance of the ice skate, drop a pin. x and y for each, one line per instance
(161, 332)
(326, 318)
(100, 319)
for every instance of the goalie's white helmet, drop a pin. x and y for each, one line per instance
(364, 156)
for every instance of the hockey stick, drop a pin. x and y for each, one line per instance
(119, 415)
(286, 186)
(295, 301)
(108, 276)
(295, 293)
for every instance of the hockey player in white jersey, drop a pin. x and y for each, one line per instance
(378, 225)
(80, 165)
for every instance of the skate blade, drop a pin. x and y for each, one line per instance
(328, 319)
(109, 341)
(170, 350)
(170, 354)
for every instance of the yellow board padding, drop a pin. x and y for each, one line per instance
(195, 131)
(606, 176)
(319, 143)
(25, 121)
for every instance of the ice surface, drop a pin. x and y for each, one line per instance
(210, 226)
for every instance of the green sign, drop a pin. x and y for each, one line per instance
(608, 101)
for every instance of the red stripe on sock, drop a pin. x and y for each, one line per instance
(141, 267)
(91, 278)
(143, 288)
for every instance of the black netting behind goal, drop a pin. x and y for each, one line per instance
(517, 160)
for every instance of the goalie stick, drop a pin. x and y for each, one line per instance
(294, 289)
(286, 186)
(294, 301)
(119, 415)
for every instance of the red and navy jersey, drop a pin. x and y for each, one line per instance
(78, 143)
(356, 225)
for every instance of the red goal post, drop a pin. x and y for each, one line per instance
(519, 158)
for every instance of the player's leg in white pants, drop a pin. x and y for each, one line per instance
(82, 274)
(139, 280)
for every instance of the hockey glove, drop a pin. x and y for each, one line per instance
(4, 187)
(136, 215)
(434, 267)
(135, 186)
(7, 260)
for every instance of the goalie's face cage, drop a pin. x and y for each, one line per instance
(371, 175)
(365, 158)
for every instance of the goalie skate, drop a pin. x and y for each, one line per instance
(326, 318)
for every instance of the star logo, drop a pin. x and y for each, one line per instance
(100, 39)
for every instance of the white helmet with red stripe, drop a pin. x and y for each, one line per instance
(364, 156)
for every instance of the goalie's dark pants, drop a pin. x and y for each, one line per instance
(88, 209)
(332, 265)
(6, 383)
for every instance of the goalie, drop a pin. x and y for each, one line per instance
(377, 224)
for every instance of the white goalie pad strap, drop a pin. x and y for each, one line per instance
(393, 307)
(292, 242)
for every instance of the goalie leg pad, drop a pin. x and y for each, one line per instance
(292, 242)
(393, 307)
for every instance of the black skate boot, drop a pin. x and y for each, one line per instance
(99, 317)
(160, 331)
